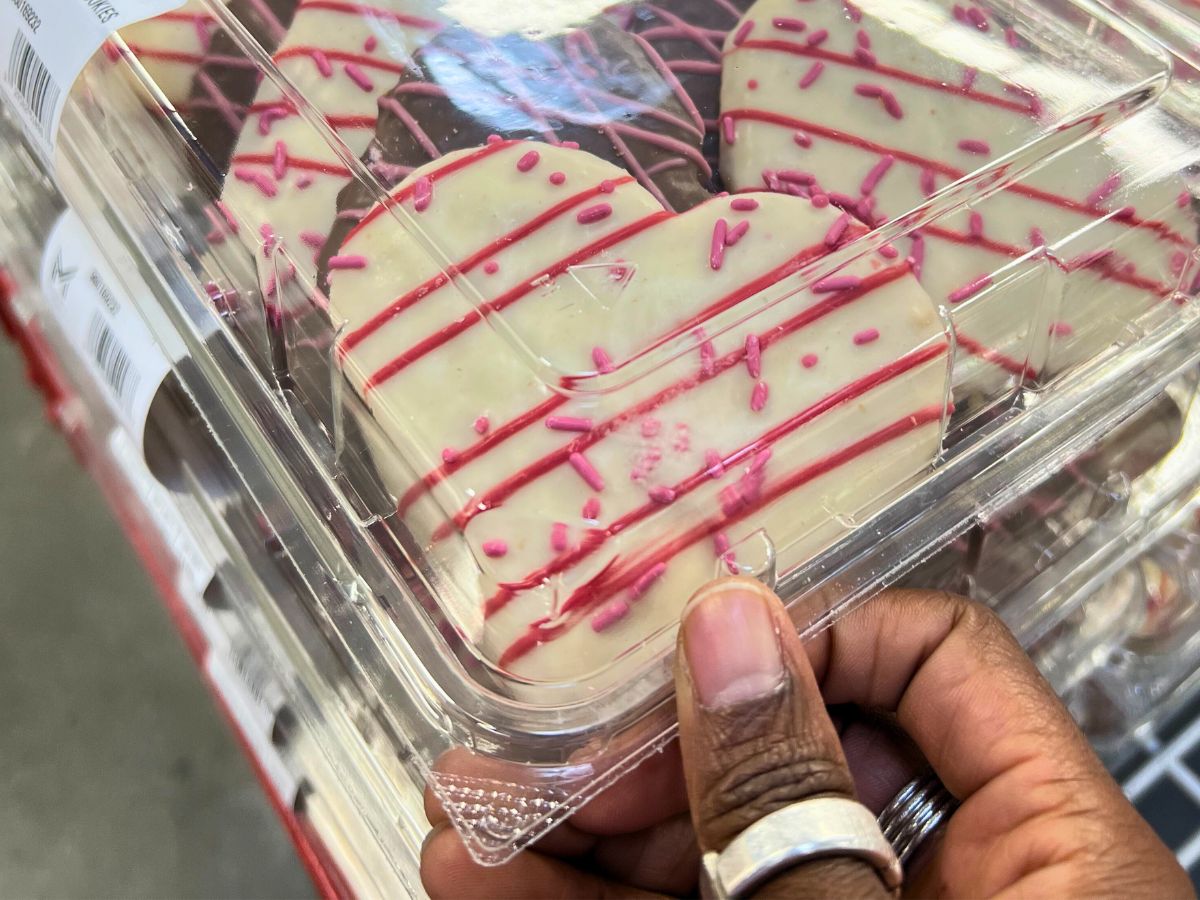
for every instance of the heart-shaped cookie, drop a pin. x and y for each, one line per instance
(585, 504)
(594, 87)
(284, 176)
(879, 107)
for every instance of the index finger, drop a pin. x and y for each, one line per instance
(958, 681)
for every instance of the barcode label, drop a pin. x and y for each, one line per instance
(254, 698)
(44, 45)
(33, 83)
(105, 328)
(114, 361)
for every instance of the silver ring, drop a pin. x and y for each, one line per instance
(809, 829)
(921, 807)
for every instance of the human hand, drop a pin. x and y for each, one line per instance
(1039, 815)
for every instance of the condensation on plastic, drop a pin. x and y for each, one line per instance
(323, 465)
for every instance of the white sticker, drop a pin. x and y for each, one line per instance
(90, 305)
(254, 698)
(197, 567)
(44, 45)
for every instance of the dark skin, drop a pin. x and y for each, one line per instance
(940, 680)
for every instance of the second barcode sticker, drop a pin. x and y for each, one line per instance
(44, 45)
(91, 307)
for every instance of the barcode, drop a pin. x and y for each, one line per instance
(114, 361)
(255, 677)
(33, 82)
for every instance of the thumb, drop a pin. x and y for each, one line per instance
(754, 731)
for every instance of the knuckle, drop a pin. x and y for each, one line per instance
(763, 771)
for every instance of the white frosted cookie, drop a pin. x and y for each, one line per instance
(172, 46)
(870, 105)
(342, 57)
(572, 506)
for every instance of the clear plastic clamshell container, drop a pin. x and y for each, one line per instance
(535, 317)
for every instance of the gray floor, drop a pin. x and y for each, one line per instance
(117, 776)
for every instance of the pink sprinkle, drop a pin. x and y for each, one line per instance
(557, 178)
(269, 237)
(866, 57)
(1011, 38)
(491, 267)
(1037, 237)
(570, 145)
(559, 541)
(716, 253)
(928, 182)
(852, 11)
(753, 356)
(809, 360)
(866, 336)
(888, 251)
(586, 471)
(265, 185)
(601, 360)
(761, 458)
(960, 13)
(646, 580)
(785, 24)
(743, 204)
(743, 32)
(528, 161)
(1183, 199)
(975, 226)
(837, 230)
(892, 105)
(650, 427)
(359, 77)
(863, 39)
(916, 258)
(304, 181)
(736, 233)
(720, 543)
(811, 76)
(281, 159)
(592, 214)
(353, 261)
(970, 73)
(818, 37)
(758, 397)
(978, 148)
(971, 289)
(819, 200)
(370, 44)
(568, 423)
(422, 193)
(495, 549)
(1061, 329)
(876, 174)
(1105, 190)
(607, 186)
(609, 615)
(714, 464)
(313, 239)
(1179, 261)
(708, 359)
(836, 283)
(1125, 213)
(662, 494)
(752, 84)
(322, 62)
(727, 129)
(792, 176)
(450, 456)
(482, 425)
(976, 17)
(493, 139)
(591, 509)
(802, 140)
(268, 117)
